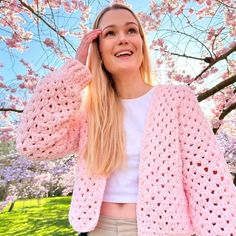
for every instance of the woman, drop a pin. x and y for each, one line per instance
(147, 160)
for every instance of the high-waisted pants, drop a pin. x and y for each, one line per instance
(109, 226)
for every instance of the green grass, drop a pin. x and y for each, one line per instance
(47, 216)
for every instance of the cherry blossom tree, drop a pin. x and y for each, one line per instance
(22, 178)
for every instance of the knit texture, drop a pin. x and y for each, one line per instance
(49, 126)
(184, 182)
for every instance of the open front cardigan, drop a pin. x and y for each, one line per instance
(184, 182)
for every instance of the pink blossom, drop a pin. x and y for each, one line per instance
(170, 74)
(200, 1)
(19, 77)
(148, 23)
(27, 36)
(62, 32)
(180, 10)
(209, 2)
(119, 1)
(216, 123)
(191, 10)
(214, 70)
(219, 31)
(221, 51)
(155, 9)
(12, 43)
(205, 75)
(30, 72)
(54, 3)
(74, 4)
(22, 86)
(85, 9)
(192, 87)
(6, 137)
(49, 42)
(67, 7)
(48, 67)
(29, 84)
(158, 42)
(159, 62)
(211, 33)
(200, 81)
(24, 62)
(6, 129)
(2, 85)
(13, 98)
(215, 112)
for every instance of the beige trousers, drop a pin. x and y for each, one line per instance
(108, 226)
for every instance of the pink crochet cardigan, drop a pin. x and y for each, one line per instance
(184, 182)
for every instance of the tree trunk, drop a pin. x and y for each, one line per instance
(11, 207)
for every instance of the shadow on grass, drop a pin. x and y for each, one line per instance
(61, 201)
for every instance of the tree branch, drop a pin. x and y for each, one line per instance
(217, 88)
(213, 61)
(224, 113)
(10, 109)
(186, 56)
(45, 22)
(225, 4)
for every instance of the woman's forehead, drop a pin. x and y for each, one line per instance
(117, 17)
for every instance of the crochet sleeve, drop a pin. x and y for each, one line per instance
(50, 123)
(207, 181)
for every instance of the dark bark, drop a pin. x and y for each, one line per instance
(11, 206)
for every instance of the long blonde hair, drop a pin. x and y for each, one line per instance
(105, 149)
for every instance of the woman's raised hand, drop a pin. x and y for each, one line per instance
(82, 51)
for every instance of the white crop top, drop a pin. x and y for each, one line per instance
(122, 185)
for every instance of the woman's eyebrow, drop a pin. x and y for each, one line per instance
(113, 26)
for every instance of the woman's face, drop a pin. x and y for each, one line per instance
(120, 43)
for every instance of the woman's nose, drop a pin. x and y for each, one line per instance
(122, 38)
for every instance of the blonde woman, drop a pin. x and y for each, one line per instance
(147, 160)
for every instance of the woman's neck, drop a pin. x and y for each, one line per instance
(131, 86)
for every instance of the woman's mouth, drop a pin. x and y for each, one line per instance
(124, 53)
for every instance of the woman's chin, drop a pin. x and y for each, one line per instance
(127, 69)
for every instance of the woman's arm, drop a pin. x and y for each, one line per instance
(50, 124)
(207, 182)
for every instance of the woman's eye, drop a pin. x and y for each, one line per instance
(132, 31)
(109, 33)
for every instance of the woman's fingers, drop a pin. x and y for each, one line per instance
(88, 38)
(82, 51)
